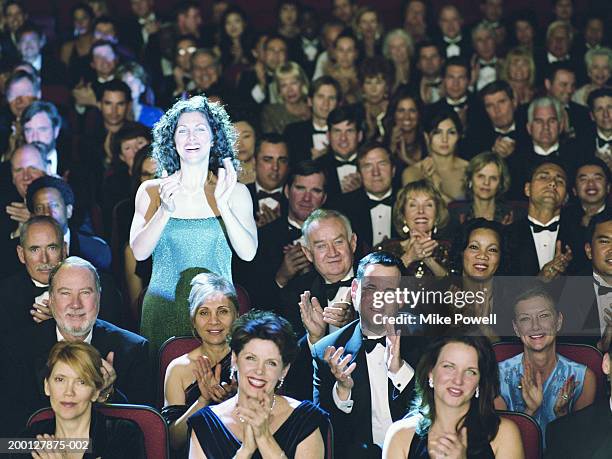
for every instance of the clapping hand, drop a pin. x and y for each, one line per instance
(449, 446)
(168, 189)
(564, 396)
(209, 381)
(110, 376)
(311, 313)
(340, 369)
(350, 182)
(47, 453)
(267, 215)
(40, 311)
(532, 389)
(393, 358)
(226, 181)
(256, 413)
(18, 212)
(339, 313)
(558, 264)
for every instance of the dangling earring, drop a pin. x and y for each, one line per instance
(405, 229)
(470, 185)
(477, 394)
(281, 381)
(431, 382)
(232, 373)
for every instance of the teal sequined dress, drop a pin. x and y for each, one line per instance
(186, 247)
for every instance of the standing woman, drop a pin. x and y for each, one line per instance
(183, 218)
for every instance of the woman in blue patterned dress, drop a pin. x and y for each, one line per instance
(193, 216)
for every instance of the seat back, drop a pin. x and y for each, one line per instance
(244, 301)
(150, 422)
(530, 433)
(173, 347)
(581, 353)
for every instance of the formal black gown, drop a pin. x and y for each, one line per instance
(218, 442)
(418, 450)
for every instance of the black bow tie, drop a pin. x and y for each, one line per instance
(332, 289)
(318, 131)
(452, 41)
(490, 64)
(459, 106)
(602, 289)
(388, 201)
(277, 195)
(294, 233)
(370, 344)
(602, 143)
(539, 228)
(338, 162)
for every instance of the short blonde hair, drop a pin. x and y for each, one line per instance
(398, 33)
(481, 160)
(292, 69)
(82, 357)
(420, 186)
(519, 53)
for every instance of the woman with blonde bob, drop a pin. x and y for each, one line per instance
(398, 47)
(292, 84)
(73, 381)
(453, 416)
(519, 71)
(202, 377)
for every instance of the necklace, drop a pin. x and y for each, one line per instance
(241, 419)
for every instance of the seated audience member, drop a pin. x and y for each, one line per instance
(176, 84)
(258, 86)
(263, 347)
(584, 434)
(206, 76)
(559, 36)
(53, 197)
(456, 382)
(213, 307)
(375, 80)
(429, 63)
(74, 53)
(279, 256)
(369, 209)
(451, 38)
(21, 89)
(27, 164)
(598, 64)
(24, 295)
(308, 139)
(14, 16)
(136, 77)
(443, 167)
(486, 66)
(600, 106)
(369, 31)
(456, 77)
(398, 47)
(487, 179)
(403, 130)
(415, 14)
(247, 140)
(542, 244)
(362, 378)
(42, 123)
(292, 84)
(107, 29)
(560, 83)
(519, 71)
(345, 131)
(126, 355)
(103, 60)
(539, 381)
(343, 65)
(419, 213)
(74, 378)
(330, 30)
(31, 42)
(271, 171)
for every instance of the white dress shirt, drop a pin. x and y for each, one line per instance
(381, 219)
(603, 302)
(270, 202)
(319, 139)
(540, 151)
(544, 241)
(60, 337)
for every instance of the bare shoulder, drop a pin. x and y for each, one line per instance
(412, 173)
(399, 437)
(508, 437)
(179, 364)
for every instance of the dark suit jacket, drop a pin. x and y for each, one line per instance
(584, 434)
(52, 70)
(356, 427)
(465, 44)
(299, 140)
(91, 248)
(24, 355)
(252, 191)
(332, 183)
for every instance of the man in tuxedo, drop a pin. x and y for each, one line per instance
(363, 376)
(541, 244)
(344, 11)
(560, 83)
(592, 426)
(429, 62)
(104, 62)
(31, 42)
(485, 63)
(345, 129)
(600, 106)
(559, 36)
(370, 208)
(279, 255)
(21, 90)
(308, 139)
(271, 170)
(141, 26)
(74, 300)
(591, 189)
(23, 297)
(451, 40)
(53, 197)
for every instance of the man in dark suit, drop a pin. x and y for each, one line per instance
(74, 299)
(345, 128)
(308, 139)
(370, 208)
(31, 42)
(271, 170)
(599, 141)
(541, 244)
(451, 39)
(363, 377)
(559, 36)
(584, 434)
(24, 295)
(52, 196)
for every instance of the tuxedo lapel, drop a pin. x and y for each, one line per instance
(529, 263)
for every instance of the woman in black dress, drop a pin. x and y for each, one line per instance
(257, 422)
(454, 417)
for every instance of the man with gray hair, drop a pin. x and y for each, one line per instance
(559, 37)
(74, 300)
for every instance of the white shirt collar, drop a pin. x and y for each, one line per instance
(552, 58)
(60, 337)
(540, 151)
(39, 284)
(258, 187)
(37, 63)
(293, 223)
(537, 222)
(103, 80)
(348, 276)
(455, 40)
(505, 131)
(452, 102)
(319, 128)
(149, 18)
(603, 206)
(350, 158)
(600, 135)
(376, 198)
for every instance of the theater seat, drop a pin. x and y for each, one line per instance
(173, 347)
(530, 433)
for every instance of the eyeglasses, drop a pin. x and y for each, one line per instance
(184, 51)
